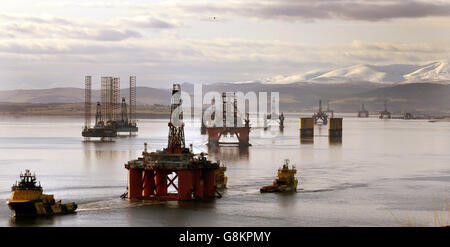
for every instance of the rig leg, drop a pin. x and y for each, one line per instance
(149, 184)
(134, 183)
(209, 183)
(161, 183)
(185, 185)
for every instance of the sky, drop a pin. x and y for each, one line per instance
(46, 44)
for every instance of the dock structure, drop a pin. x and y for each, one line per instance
(112, 117)
(385, 113)
(174, 173)
(363, 112)
(229, 126)
(320, 116)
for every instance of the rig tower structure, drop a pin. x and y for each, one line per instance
(320, 115)
(176, 142)
(112, 116)
(363, 112)
(132, 111)
(191, 176)
(228, 126)
(385, 113)
(87, 101)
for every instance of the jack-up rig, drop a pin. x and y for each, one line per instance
(227, 127)
(385, 113)
(110, 117)
(363, 112)
(174, 173)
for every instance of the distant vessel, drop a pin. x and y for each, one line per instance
(286, 181)
(27, 199)
(221, 179)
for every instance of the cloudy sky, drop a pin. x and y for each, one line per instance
(56, 43)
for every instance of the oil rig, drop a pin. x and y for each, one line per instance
(229, 127)
(111, 117)
(363, 112)
(281, 118)
(385, 113)
(328, 111)
(274, 110)
(321, 115)
(174, 173)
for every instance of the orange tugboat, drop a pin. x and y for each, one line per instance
(27, 199)
(286, 181)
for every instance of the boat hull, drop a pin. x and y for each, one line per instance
(271, 188)
(36, 208)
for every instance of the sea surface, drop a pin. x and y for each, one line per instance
(383, 173)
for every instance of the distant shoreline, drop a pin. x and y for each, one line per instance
(73, 110)
(155, 111)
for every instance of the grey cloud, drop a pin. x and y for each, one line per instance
(152, 23)
(312, 10)
(34, 19)
(34, 30)
(115, 35)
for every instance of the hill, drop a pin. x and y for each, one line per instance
(294, 97)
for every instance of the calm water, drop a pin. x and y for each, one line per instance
(384, 173)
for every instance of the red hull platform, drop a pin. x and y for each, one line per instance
(153, 183)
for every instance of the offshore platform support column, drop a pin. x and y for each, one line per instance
(306, 127)
(173, 173)
(335, 128)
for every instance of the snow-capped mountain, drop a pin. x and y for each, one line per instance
(438, 71)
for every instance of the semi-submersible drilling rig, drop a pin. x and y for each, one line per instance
(191, 176)
(111, 116)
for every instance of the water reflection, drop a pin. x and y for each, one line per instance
(322, 130)
(229, 153)
(336, 141)
(306, 140)
(105, 153)
(31, 221)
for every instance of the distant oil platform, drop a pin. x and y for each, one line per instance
(321, 116)
(111, 117)
(363, 112)
(385, 113)
(229, 127)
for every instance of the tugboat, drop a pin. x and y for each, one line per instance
(221, 179)
(27, 199)
(286, 181)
